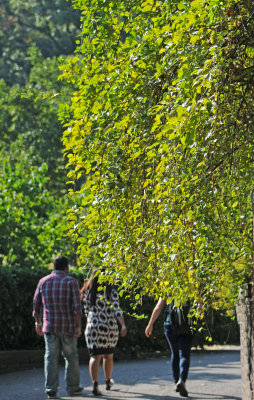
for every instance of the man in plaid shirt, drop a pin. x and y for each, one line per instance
(57, 313)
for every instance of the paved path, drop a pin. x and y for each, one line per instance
(213, 376)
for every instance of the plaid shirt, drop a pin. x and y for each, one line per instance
(57, 302)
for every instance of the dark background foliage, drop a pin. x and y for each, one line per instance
(17, 288)
(52, 26)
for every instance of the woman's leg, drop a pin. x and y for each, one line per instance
(108, 364)
(94, 366)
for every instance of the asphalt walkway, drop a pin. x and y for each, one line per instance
(213, 376)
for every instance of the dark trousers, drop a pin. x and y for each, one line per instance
(180, 347)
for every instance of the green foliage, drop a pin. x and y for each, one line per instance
(33, 179)
(53, 26)
(31, 218)
(32, 122)
(159, 131)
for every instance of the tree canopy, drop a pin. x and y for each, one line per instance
(33, 190)
(52, 26)
(31, 218)
(33, 202)
(159, 140)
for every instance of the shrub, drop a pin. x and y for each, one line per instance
(17, 287)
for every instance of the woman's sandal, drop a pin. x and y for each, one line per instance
(109, 383)
(96, 391)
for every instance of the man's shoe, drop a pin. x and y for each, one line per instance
(77, 391)
(52, 395)
(109, 383)
(180, 387)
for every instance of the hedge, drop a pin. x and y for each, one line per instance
(17, 286)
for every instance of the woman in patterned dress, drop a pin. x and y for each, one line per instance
(101, 309)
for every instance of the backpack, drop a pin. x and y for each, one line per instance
(178, 318)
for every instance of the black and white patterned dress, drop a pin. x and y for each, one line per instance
(101, 331)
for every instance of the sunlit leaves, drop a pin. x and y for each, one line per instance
(154, 134)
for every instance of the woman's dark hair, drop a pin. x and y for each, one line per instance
(92, 284)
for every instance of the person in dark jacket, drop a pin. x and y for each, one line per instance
(179, 341)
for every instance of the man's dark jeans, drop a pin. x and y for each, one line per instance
(180, 346)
